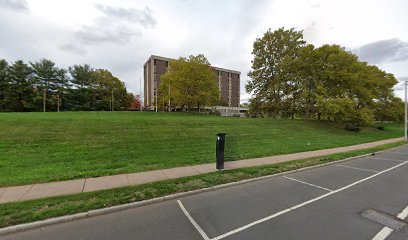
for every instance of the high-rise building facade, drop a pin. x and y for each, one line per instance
(228, 81)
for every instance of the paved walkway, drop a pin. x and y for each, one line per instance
(35, 191)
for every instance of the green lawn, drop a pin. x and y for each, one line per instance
(41, 147)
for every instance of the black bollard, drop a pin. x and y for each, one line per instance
(220, 145)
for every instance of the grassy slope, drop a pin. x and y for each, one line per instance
(38, 147)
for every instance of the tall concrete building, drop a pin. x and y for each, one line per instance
(228, 81)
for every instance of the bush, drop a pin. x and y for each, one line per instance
(381, 127)
(215, 112)
(350, 126)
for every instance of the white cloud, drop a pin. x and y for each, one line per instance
(143, 17)
(390, 50)
(120, 35)
(16, 5)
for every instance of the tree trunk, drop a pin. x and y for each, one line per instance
(44, 97)
(58, 103)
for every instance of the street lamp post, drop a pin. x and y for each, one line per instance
(156, 99)
(169, 99)
(406, 120)
(140, 94)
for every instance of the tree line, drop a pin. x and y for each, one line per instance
(293, 79)
(42, 86)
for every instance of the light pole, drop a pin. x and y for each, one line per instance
(156, 99)
(169, 99)
(112, 101)
(406, 120)
(45, 89)
(140, 94)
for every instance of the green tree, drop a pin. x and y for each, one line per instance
(326, 73)
(338, 76)
(269, 81)
(189, 82)
(291, 78)
(3, 84)
(46, 77)
(82, 81)
(389, 109)
(110, 92)
(61, 88)
(19, 96)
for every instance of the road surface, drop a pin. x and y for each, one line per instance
(364, 198)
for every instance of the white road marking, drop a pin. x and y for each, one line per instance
(199, 229)
(398, 153)
(304, 203)
(383, 234)
(356, 168)
(293, 179)
(386, 231)
(387, 159)
(404, 214)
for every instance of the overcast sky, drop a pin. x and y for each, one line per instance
(119, 35)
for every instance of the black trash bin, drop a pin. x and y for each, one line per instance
(220, 146)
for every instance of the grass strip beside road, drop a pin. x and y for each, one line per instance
(34, 210)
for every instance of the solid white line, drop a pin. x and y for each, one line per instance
(383, 234)
(403, 214)
(199, 229)
(362, 169)
(387, 159)
(386, 231)
(293, 179)
(304, 203)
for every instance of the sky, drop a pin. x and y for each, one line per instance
(120, 35)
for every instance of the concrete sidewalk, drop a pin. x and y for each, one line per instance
(35, 191)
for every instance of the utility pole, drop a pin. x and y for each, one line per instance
(58, 103)
(112, 101)
(140, 94)
(406, 115)
(169, 99)
(44, 96)
(156, 99)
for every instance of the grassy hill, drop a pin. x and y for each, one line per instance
(40, 147)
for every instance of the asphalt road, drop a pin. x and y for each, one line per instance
(322, 203)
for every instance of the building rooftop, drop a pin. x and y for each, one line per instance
(169, 59)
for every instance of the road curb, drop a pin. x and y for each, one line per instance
(97, 212)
